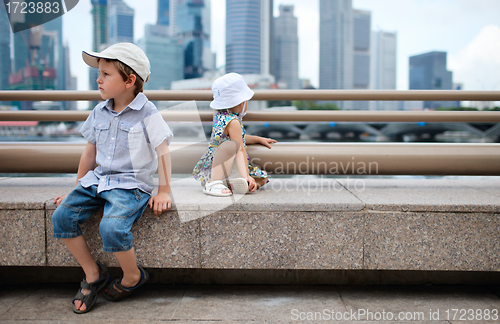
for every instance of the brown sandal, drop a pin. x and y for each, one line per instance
(94, 287)
(112, 294)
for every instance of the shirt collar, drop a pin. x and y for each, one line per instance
(137, 104)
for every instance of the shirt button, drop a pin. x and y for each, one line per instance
(112, 138)
(109, 158)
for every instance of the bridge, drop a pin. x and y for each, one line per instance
(376, 132)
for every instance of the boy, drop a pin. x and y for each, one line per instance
(125, 135)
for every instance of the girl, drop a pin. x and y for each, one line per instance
(228, 142)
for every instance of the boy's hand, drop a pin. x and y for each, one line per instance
(59, 199)
(252, 186)
(266, 141)
(160, 203)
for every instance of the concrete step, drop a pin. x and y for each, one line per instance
(445, 223)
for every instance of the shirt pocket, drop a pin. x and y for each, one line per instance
(132, 135)
(101, 132)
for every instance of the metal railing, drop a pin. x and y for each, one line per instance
(326, 95)
(281, 116)
(284, 158)
(288, 158)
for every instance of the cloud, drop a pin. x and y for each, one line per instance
(145, 13)
(477, 65)
(218, 30)
(308, 32)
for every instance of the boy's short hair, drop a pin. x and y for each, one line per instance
(125, 71)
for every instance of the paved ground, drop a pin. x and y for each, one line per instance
(258, 304)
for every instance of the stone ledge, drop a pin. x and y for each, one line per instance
(449, 194)
(387, 224)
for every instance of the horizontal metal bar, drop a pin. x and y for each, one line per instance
(372, 116)
(288, 158)
(282, 116)
(45, 115)
(206, 95)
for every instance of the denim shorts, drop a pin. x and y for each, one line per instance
(122, 208)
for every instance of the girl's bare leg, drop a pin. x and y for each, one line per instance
(222, 164)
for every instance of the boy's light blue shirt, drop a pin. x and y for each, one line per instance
(125, 144)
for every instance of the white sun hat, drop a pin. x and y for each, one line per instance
(229, 91)
(127, 53)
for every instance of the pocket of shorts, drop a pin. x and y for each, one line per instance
(140, 195)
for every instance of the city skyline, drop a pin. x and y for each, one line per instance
(470, 46)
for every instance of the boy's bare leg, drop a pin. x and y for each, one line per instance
(128, 263)
(80, 250)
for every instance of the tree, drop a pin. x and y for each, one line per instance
(313, 105)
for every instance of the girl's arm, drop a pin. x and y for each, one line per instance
(87, 163)
(233, 129)
(162, 201)
(252, 139)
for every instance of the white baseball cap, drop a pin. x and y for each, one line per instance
(229, 91)
(127, 53)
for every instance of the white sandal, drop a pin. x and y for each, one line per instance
(238, 185)
(215, 188)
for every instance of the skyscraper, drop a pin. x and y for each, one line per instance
(428, 72)
(361, 63)
(21, 52)
(99, 14)
(165, 54)
(361, 60)
(336, 46)
(164, 12)
(54, 29)
(50, 52)
(171, 20)
(266, 36)
(71, 81)
(5, 61)
(120, 22)
(243, 36)
(40, 50)
(208, 57)
(248, 36)
(190, 30)
(189, 22)
(286, 48)
(383, 67)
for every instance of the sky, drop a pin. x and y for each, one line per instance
(468, 30)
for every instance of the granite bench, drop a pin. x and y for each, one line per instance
(431, 224)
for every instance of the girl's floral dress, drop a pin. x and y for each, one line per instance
(203, 168)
